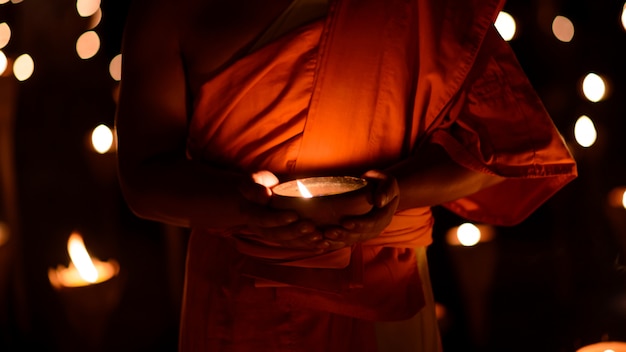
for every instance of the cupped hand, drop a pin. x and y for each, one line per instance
(361, 228)
(283, 228)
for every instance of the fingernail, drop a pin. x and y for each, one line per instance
(323, 245)
(315, 238)
(289, 218)
(349, 225)
(333, 235)
(306, 228)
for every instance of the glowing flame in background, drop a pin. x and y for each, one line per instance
(81, 259)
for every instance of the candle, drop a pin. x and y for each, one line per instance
(607, 346)
(324, 200)
(82, 270)
(89, 290)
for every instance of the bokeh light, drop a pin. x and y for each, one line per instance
(506, 26)
(88, 44)
(87, 8)
(115, 67)
(102, 139)
(585, 131)
(594, 87)
(563, 29)
(23, 67)
(468, 234)
(4, 62)
(5, 34)
(95, 19)
(624, 16)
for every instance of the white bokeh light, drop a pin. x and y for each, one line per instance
(102, 139)
(585, 131)
(468, 234)
(505, 24)
(4, 62)
(594, 87)
(23, 67)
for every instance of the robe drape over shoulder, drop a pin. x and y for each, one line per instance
(364, 88)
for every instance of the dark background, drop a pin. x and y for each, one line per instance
(555, 282)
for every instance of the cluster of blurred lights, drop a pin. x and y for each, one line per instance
(87, 44)
(593, 85)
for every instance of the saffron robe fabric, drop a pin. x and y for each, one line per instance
(362, 89)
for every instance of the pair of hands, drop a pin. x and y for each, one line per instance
(286, 229)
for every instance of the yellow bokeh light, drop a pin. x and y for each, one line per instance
(585, 131)
(88, 44)
(594, 87)
(4, 62)
(563, 29)
(87, 8)
(505, 24)
(23, 67)
(3, 1)
(115, 67)
(5, 34)
(102, 139)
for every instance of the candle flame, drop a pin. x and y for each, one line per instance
(303, 190)
(81, 259)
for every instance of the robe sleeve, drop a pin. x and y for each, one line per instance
(498, 125)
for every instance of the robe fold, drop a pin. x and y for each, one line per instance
(361, 89)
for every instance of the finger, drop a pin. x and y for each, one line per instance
(385, 187)
(302, 231)
(260, 216)
(255, 192)
(368, 226)
(265, 178)
(340, 237)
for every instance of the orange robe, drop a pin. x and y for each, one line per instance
(362, 89)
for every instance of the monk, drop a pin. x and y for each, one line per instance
(222, 100)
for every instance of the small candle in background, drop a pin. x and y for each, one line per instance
(89, 291)
(82, 270)
(606, 346)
